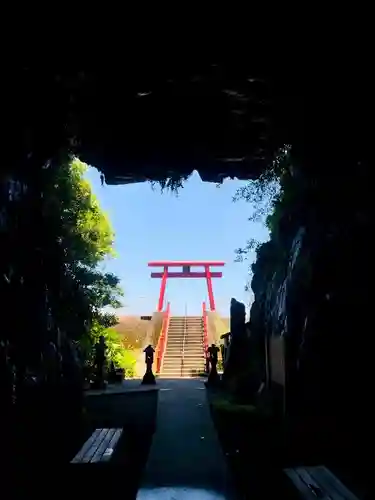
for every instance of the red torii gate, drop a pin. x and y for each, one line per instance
(186, 273)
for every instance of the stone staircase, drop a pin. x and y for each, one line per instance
(184, 354)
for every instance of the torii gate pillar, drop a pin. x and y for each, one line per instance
(186, 273)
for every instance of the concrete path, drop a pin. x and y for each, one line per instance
(185, 460)
(129, 385)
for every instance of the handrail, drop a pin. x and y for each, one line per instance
(162, 342)
(183, 347)
(205, 328)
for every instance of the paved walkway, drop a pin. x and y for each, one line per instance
(131, 385)
(185, 460)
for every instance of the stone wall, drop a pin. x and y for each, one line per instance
(312, 290)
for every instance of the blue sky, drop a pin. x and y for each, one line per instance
(201, 223)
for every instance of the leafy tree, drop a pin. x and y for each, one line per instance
(116, 351)
(267, 195)
(88, 239)
(77, 236)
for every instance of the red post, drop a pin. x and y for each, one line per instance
(162, 342)
(205, 327)
(209, 287)
(162, 289)
(186, 273)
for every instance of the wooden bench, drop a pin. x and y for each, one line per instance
(318, 482)
(99, 447)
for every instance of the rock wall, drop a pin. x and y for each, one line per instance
(312, 290)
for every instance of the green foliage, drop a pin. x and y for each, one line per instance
(87, 234)
(87, 239)
(228, 405)
(272, 195)
(262, 192)
(116, 352)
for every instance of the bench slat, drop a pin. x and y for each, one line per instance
(109, 450)
(301, 486)
(95, 445)
(309, 479)
(103, 446)
(86, 446)
(320, 479)
(331, 483)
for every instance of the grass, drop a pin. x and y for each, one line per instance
(226, 405)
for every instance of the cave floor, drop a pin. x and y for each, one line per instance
(186, 459)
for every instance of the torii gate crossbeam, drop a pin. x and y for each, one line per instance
(186, 273)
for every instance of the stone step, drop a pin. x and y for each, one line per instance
(178, 345)
(195, 362)
(191, 359)
(190, 335)
(185, 369)
(187, 321)
(190, 353)
(182, 327)
(173, 376)
(187, 352)
(184, 317)
(182, 324)
(187, 355)
(197, 326)
(177, 374)
(178, 362)
(181, 334)
(187, 334)
(188, 358)
(182, 368)
(191, 342)
(196, 341)
(183, 372)
(177, 369)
